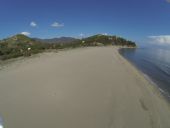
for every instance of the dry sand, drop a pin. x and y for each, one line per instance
(80, 88)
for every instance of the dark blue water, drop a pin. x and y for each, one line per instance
(154, 62)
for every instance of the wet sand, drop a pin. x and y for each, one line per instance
(80, 88)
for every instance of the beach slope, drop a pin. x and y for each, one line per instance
(81, 88)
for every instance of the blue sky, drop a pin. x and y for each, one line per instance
(137, 20)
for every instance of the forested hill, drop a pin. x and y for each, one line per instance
(21, 45)
(108, 40)
(58, 40)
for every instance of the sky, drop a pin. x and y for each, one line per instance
(137, 20)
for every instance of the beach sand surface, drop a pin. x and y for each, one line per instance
(91, 87)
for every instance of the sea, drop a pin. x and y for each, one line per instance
(154, 62)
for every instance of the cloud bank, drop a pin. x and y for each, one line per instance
(57, 25)
(26, 33)
(168, 1)
(160, 40)
(33, 24)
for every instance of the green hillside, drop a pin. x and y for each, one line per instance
(21, 45)
(107, 40)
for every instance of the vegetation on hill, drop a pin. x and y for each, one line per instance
(107, 40)
(58, 40)
(21, 45)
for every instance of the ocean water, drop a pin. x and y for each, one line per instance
(153, 62)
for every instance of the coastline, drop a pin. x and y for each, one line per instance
(156, 86)
(92, 87)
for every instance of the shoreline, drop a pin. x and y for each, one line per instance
(92, 87)
(154, 84)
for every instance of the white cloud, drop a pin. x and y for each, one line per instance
(26, 33)
(105, 34)
(81, 35)
(33, 24)
(161, 40)
(57, 25)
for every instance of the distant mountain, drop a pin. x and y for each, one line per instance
(58, 40)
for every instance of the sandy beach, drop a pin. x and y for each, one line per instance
(91, 87)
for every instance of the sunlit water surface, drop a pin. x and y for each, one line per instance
(154, 62)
